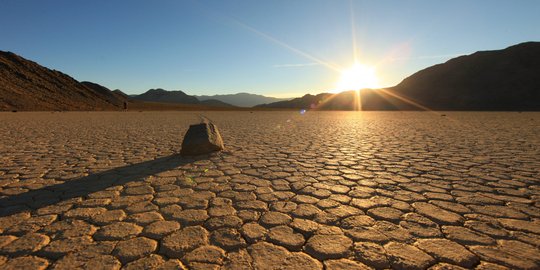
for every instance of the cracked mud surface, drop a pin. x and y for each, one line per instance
(333, 190)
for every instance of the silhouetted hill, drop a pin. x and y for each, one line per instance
(242, 99)
(368, 99)
(507, 79)
(26, 85)
(305, 102)
(111, 96)
(177, 96)
(216, 103)
(121, 94)
(160, 95)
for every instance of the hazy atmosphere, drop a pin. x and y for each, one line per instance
(275, 48)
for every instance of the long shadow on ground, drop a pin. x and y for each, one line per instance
(82, 187)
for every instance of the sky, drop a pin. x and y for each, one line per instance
(278, 48)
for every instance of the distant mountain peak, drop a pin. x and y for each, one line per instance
(176, 96)
(242, 99)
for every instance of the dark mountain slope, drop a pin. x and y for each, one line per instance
(507, 79)
(26, 85)
(166, 96)
(111, 96)
(368, 99)
(160, 95)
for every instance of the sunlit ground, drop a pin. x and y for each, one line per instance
(109, 186)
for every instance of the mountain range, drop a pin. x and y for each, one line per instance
(506, 79)
(25, 85)
(229, 100)
(243, 99)
(176, 96)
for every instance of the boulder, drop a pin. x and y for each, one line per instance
(201, 139)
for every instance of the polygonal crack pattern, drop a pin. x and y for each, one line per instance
(333, 190)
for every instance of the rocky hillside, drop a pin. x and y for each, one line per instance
(26, 85)
(507, 79)
(115, 97)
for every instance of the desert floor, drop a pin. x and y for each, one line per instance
(339, 190)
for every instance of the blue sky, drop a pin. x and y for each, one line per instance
(265, 47)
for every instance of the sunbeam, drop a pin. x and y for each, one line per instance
(353, 33)
(287, 46)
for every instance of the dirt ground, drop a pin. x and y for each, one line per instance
(333, 190)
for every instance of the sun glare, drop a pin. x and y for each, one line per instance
(357, 77)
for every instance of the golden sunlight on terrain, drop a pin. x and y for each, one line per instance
(357, 77)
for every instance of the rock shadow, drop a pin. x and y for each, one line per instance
(83, 186)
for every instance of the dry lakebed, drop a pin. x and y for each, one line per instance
(291, 190)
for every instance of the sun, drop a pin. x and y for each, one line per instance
(357, 77)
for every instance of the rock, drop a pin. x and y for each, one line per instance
(201, 139)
